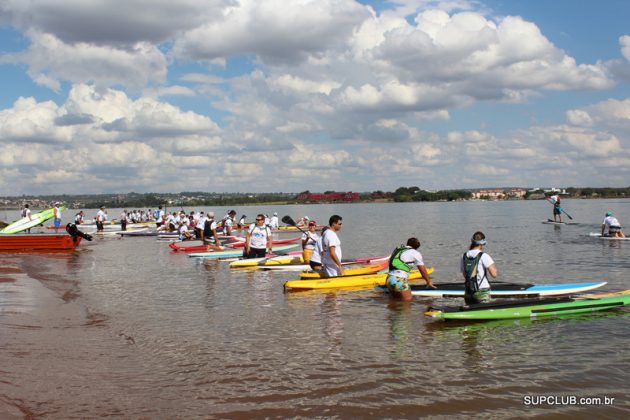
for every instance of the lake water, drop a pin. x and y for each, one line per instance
(126, 328)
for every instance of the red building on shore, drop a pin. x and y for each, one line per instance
(336, 196)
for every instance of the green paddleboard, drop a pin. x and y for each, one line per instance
(26, 223)
(533, 308)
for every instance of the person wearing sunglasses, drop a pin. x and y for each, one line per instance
(331, 247)
(258, 240)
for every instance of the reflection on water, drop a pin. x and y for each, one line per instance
(126, 328)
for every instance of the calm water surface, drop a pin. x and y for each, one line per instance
(126, 328)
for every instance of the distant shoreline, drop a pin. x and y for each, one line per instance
(287, 203)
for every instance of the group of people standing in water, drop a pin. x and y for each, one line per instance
(323, 253)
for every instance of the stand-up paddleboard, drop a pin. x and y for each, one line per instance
(533, 308)
(118, 232)
(366, 266)
(551, 222)
(291, 258)
(26, 223)
(504, 290)
(234, 252)
(364, 280)
(607, 238)
(136, 232)
(306, 268)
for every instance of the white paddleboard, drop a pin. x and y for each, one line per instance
(607, 238)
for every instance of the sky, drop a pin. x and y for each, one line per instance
(102, 96)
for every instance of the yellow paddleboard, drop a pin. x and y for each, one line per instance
(354, 270)
(255, 262)
(367, 280)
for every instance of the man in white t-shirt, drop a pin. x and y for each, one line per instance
(184, 231)
(26, 212)
(258, 239)
(228, 223)
(159, 217)
(273, 222)
(611, 226)
(331, 247)
(101, 217)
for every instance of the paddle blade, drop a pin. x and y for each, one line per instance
(288, 220)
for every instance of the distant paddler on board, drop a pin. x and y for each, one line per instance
(557, 210)
(611, 227)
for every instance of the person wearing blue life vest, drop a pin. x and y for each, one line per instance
(557, 210)
(475, 266)
(402, 261)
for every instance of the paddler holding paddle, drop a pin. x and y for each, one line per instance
(402, 261)
(557, 210)
(309, 241)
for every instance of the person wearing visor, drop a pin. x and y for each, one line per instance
(402, 261)
(475, 266)
(309, 242)
(611, 227)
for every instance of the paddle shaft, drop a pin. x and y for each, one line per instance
(287, 219)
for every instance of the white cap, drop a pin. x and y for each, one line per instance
(305, 217)
(210, 214)
(275, 213)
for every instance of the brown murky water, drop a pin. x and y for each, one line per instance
(125, 328)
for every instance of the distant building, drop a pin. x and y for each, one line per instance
(489, 194)
(499, 194)
(517, 193)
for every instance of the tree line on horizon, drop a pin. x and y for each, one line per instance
(196, 199)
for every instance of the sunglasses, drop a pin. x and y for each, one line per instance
(259, 220)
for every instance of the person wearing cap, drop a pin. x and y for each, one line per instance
(273, 222)
(557, 210)
(303, 221)
(309, 243)
(101, 217)
(209, 236)
(241, 222)
(57, 216)
(402, 261)
(611, 226)
(475, 267)
(199, 220)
